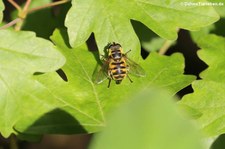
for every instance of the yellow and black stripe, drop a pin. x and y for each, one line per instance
(118, 70)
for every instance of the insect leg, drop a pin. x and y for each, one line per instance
(103, 58)
(109, 83)
(129, 79)
(127, 52)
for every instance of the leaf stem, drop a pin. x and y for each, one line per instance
(25, 8)
(13, 142)
(22, 13)
(11, 23)
(15, 5)
(165, 47)
(48, 5)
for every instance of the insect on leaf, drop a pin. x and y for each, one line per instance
(87, 103)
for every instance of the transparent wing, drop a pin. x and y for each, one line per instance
(100, 73)
(135, 69)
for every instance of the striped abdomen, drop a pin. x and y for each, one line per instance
(117, 70)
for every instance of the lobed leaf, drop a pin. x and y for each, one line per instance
(110, 21)
(21, 55)
(84, 104)
(220, 9)
(216, 28)
(208, 97)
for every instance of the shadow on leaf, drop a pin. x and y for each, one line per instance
(219, 142)
(56, 121)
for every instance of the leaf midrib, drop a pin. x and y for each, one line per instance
(93, 88)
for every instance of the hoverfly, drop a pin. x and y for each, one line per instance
(117, 66)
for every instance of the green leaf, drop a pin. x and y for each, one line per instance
(216, 28)
(208, 97)
(149, 120)
(110, 21)
(22, 54)
(86, 103)
(220, 9)
(1, 10)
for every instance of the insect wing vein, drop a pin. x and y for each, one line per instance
(135, 69)
(100, 73)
